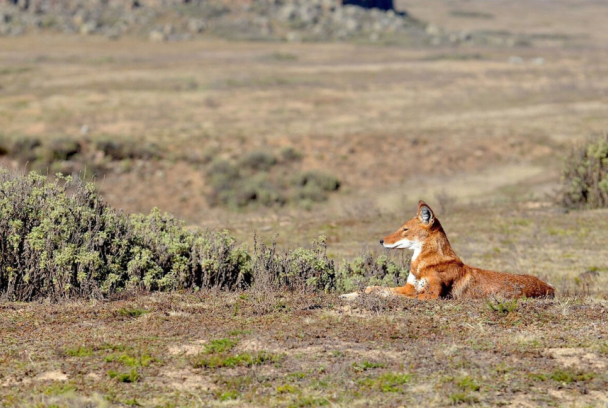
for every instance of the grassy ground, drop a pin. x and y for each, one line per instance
(478, 133)
(265, 349)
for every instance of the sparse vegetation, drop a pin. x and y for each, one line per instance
(569, 376)
(236, 360)
(126, 377)
(388, 382)
(79, 352)
(504, 306)
(219, 345)
(391, 124)
(367, 365)
(132, 312)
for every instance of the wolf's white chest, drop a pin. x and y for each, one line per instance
(419, 284)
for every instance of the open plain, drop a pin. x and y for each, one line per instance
(478, 132)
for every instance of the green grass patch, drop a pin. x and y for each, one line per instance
(388, 382)
(309, 401)
(236, 360)
(296, 376)
(538, 376)
(130, 377)
(569, 376)
(220, 346)
(467, 383)
(142, 360)
(80, 351)
(59, 389)
(287, 389)
(503, 306)
(229, 395)
(463, 398)
(367, 365)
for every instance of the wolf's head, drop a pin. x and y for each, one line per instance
(414, 232)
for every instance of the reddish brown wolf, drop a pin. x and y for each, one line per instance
(437, 272)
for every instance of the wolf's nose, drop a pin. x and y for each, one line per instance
(381, 241)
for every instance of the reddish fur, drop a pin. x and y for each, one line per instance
(447, 276)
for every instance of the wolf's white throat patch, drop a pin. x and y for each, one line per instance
(418, 284)
(407, 244)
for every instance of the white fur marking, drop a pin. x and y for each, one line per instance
(407, 244)
(417, 247)
(411, 279)
(421, 284)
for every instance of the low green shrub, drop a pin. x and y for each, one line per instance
(290, 154)
(116, 150)
(59, 239)
(306, 269)
(258, 178)
(318, 179)
(368, 270)
(585, 175)
(237, 189)
(258, 160)
(64, 154)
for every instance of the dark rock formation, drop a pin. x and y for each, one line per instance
(379, 4)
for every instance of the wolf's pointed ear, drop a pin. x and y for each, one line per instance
(425, 213)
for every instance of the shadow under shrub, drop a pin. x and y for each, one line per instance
(585, 176)
(59, 239)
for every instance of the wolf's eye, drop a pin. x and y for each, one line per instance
(404, 229)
